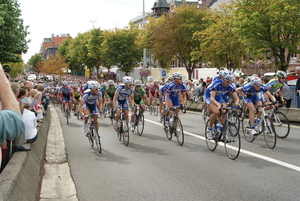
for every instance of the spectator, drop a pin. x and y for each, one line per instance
(264, 80)
(298, 86)
(287, 95)
(20, 139)
(30, 124)
(11, 121)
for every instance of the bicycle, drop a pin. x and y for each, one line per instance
(280, 122)
(153, 107)
(122, 130)
(67, 113)
(227, 132)
(264, 126)
(182, 109)
(92, 134)
(172, 125)
(112, 114)
(139, 120)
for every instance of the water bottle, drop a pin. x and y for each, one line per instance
(219, 127)
(166, 119)
(171, 122)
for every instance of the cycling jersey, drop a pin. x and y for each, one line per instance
(91, 100)
(220, 89)
(256, 95)
(273, 85)
(173, 90)
(123, 92)
(66, 93)
(138, 95)
(110, 92)
(153, 89)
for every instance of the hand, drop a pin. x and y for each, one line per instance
(185, 106)
(166, 109)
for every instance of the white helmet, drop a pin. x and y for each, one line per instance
(93, 85)
(281, 74)
(155, 82)
(177, 75)
(127, 80)
(221, 73)
(64, 83)
(228, 75)
(105, 84)
(255, 80)
(111, 82)
(138, 83)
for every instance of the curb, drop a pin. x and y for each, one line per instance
(20, 178)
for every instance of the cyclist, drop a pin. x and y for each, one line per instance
(109, 93)
(251, 94)
(277, 84)
(175, 92)
(91, 103)
(214, 97)
(123, 92)
(77, 95)
(66, 95)
(140, 98)
(153, 90)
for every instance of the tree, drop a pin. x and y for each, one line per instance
(119, 48)
(55, 65)
(172, 36)
(16, 68)
(13, 33)
(34, 60)
(220, 46)
(269, 26)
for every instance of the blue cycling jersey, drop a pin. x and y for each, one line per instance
(249, 89)
(90, 98)
(123, 92)
(173, 89)
(219, 88)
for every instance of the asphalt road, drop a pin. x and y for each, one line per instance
(153, 168)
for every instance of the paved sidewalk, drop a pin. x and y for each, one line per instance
(57, 183)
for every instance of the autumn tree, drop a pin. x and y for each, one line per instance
(119, 48)
(269, 26)
(34, 60)
(220, 46)
(13, 33)
(56, 65)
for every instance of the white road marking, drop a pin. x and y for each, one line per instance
(278, 162)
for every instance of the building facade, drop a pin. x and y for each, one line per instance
(50, 45)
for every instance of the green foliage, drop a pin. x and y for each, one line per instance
(119, 48)
(16, 68)
(269, 26)
(34, 60)
(12, 32)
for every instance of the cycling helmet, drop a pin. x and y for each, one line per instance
(110, 82)
(93, 85)
(281, 74)
(138, 83)
(228, 75)
(177, 75)
(255, 80)
(127, 80)
(105, 84)
(171, 78)
(155, 82)
(221, 73)
(64, 83)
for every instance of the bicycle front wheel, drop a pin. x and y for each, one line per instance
(140, 124)
(247, 129)
(178, 130)
(167, 128)
(211, 143)
(233, 118)
(125, 133)
(98, 142)
(90, 136)
(232, 141)
(281, 124)
(269, 133)
(119, 131)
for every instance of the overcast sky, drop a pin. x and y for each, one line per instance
(72, 16)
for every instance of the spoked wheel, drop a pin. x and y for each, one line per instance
(166, 125)
(281, 124)
(125, 133)
(211, 143)
(98, 142)
(140, 124)
(204, 114)
(67, 116)
(269, 133)
(112, 116)
(232, 141)
(90, 136)
(234, 119)
(151, 109)
(119, 131)
(247, 129)
(178, 131)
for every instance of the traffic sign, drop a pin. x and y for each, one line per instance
(163, 73)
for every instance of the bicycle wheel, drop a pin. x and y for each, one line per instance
(140, 124)
(233, 118)
(204, 114)
(98, 142)
(246, 129)
(119, 131)
(232, 141)
(281, 124)
(269, 133)
(91, 135)
(67, 116)
(211, 144)
(125, 133)
(112, 116)
(166, 125)
(178, 130)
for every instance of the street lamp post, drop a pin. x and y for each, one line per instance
(92, 21)
(144, 50)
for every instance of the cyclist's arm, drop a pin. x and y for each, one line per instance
(146, 99)
(213, 100)
(168, 103)
(183, 96)
(270, 96)
(131, 98)
(115, 100)
(81, 102)
(100, 105)
(235, 98)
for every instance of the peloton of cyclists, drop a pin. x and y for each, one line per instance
(109, 93)
(66, 95)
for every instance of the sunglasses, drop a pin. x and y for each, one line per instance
(137, 86)
(96, 89)
(130, 84)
